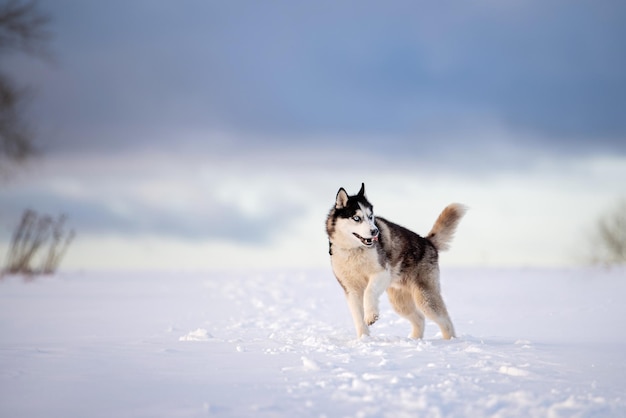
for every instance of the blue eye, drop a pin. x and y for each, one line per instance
(356, 218)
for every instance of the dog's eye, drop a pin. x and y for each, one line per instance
(356, 218)
(371, 217)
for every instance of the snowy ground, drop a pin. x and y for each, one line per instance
(544, 343)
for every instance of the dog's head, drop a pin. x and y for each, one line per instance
(350, 223)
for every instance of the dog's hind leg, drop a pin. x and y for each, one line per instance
(431, 303)
(355, 303)
(403, 304)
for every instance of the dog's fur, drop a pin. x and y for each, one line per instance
(370, 255)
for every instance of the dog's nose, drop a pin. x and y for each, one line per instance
(374, 232)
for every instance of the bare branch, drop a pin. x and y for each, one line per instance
(33, 233)
(23, 27)
(15, 138)
(611, 236)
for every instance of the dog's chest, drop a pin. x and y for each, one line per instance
(355, 265)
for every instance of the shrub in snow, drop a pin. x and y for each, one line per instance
(27, 252)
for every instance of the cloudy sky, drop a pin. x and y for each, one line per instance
(202, 134)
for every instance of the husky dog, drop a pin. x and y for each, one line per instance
(370, 255)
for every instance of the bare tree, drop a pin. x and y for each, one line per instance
(32, 234)
(610, 236)
(23, 28)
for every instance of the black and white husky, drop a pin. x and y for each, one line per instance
(370, 255)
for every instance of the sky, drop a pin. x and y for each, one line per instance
(212, 135)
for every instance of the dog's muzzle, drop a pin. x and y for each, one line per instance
(368, 242)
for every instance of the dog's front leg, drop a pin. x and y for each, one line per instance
(377, 284)
(355, 303)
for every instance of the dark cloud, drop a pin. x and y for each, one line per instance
(147, 73)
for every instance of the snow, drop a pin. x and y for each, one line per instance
(546, 343)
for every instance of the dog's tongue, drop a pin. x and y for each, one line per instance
(375, 238)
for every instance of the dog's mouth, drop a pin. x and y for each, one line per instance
(368, 242)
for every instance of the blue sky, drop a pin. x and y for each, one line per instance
(225, 128)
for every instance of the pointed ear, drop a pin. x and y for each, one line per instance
(362, 191)
(342, 199)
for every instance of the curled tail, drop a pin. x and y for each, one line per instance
(443, 230)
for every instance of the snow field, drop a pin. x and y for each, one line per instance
(543, 343)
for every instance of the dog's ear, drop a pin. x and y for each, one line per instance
(362, 191)
(342, 199)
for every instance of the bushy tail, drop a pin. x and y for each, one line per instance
(443, 230)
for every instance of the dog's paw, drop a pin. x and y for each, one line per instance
(371, 317)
